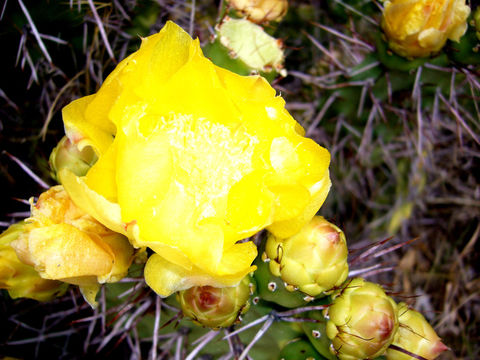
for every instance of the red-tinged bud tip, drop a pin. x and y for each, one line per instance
(438, 348)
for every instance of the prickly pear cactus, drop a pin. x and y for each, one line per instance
(240, 182)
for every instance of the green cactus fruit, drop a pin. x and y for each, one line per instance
(299, 349)
(414, 335)
(216, 307)
(272, 288)
(67, 156)
(362, 321)
(313, 261)
(244, 47)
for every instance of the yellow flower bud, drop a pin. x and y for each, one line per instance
(415, 335)
(362, 321)
(314, 260)
(420, 28)
(192, 159)
(19, 279)
(216, 307)
(64, 243)
(67, 156)
(260, 11)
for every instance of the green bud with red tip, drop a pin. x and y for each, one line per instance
(313, 261)
(216, 307)
(414, 335)
(362, 321)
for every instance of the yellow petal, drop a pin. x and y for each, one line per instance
(249, 211)
(287, 228)
(290, 201)
(62, 251)
(92, 203)
(135, 152)
(165, 278)
(89, 293)
(83, 131)
(122, 253)
(101, 176)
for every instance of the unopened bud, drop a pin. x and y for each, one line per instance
(215, 307)
(67, 156)
(260, 11)
(363, 321)
(314, 260)
(415, 335)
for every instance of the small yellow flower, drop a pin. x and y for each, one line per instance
(19, 279)
(64, 243)
(420, 28)
(192, 159)
(415, 335)
(260, 11)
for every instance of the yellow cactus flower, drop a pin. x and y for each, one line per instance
(64, 243)
(416, 336)
(19, 279)
(362, 321)
(420, 28)
(260, 11)
(313, 260)
(192, 159)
